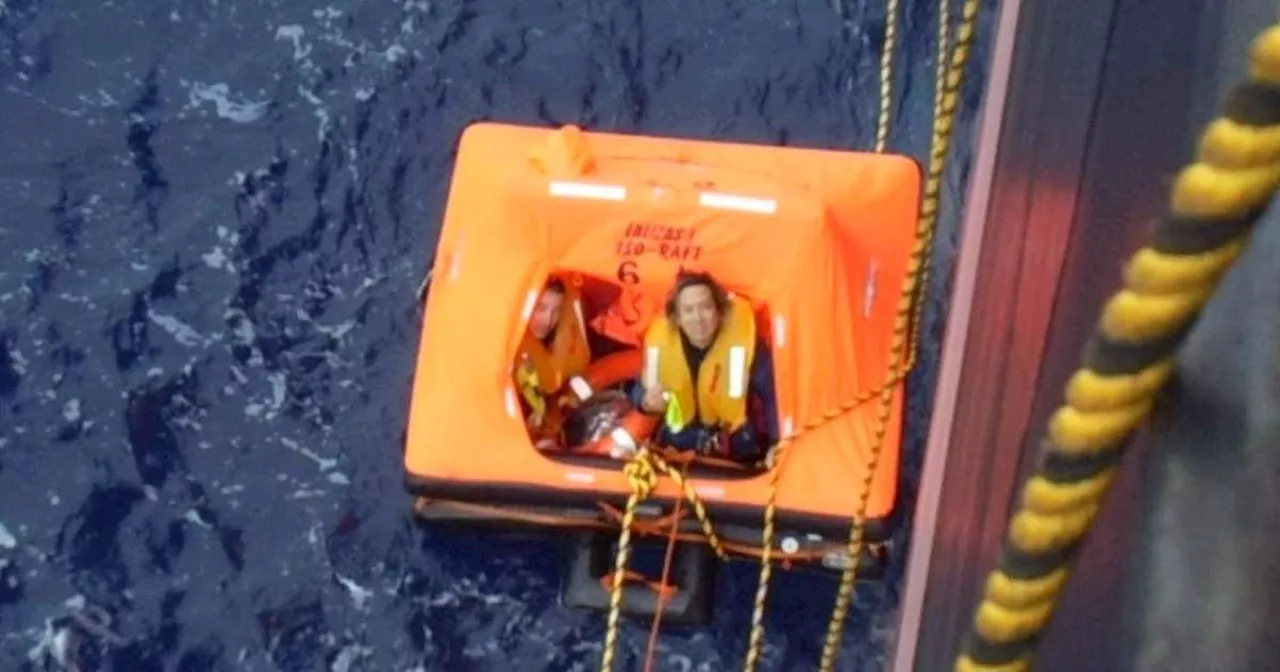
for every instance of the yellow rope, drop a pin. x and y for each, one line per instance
(1214, 204)
(641, 469)
(906, 335)
(951, 77)
(932, 197)
(642, 479)
(699, 509)
(642, 472)
(886, 73)
(756, 640)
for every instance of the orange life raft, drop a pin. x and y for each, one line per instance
(818, 240)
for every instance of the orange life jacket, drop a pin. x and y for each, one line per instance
(542, 371)
(723, 377)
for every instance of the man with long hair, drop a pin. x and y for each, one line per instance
(704, 366)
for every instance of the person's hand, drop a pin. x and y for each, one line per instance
(567, 402)
(708, 442)
(654, 400)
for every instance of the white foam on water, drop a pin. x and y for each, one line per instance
(294, 33)
(216, 259)
(71, 410)
(348, 657)
(179, 330)
(324, 463)
(359, 594)
(241, 112)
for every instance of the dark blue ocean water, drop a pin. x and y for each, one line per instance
(215, 215)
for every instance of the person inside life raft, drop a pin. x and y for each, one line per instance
(554, 349)
(705, 368)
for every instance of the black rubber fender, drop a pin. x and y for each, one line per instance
(693, 572)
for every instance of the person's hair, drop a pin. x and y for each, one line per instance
(687, 279)
(555, 285)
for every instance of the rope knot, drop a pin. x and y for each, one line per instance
(641, 474)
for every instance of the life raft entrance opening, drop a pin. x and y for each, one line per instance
(606, 318)
(687, 598)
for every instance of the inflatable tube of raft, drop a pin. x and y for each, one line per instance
(608, 371)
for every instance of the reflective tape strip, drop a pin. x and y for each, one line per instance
(779, 331)
(455, 260)
(582, 322)
(651, 367)
(623, 443)
(581, 388)
(764, 206)
(513, 404)
(737, 371)
(709, 491)
(530, 300)
(869, 293)
(599, 192)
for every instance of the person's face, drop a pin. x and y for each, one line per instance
(546, 315)
(697, 315)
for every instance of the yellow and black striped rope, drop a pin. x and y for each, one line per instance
(886, 73)
(1213, 207)
(947, 82)
(643, 478)
(642, 472)
(950, 77)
